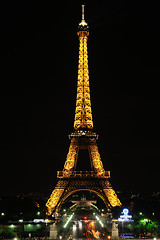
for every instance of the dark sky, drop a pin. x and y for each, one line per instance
(39, 61)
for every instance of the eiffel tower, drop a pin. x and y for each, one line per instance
(83, 137)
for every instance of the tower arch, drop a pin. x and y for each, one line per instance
(95, 191)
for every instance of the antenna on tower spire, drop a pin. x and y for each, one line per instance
(83, 23)
(83, 12)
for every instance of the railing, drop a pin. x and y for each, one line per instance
(83, 174)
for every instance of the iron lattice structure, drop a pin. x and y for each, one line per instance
(83, 137)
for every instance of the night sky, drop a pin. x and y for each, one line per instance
(39, 65)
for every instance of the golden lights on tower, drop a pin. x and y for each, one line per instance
(82, 138)
(83, 112)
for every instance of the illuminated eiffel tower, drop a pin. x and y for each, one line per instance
(83, 137)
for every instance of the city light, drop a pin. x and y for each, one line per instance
(74, 227)
(125, 217)
(99, 220)
(72, 206)
(38, 220)
(94, 206)
(144, 220)
(125, 211)
(69, 219)
(80, 225)
(92, 224)
(47, 221)
(12, 226)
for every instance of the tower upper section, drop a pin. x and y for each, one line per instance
(83, 112)
(83, 26)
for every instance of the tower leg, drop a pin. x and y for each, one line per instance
(55, 196)
(96, 162)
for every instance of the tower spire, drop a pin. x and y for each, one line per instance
(83, 112)
(83, 23)
(83, 12)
